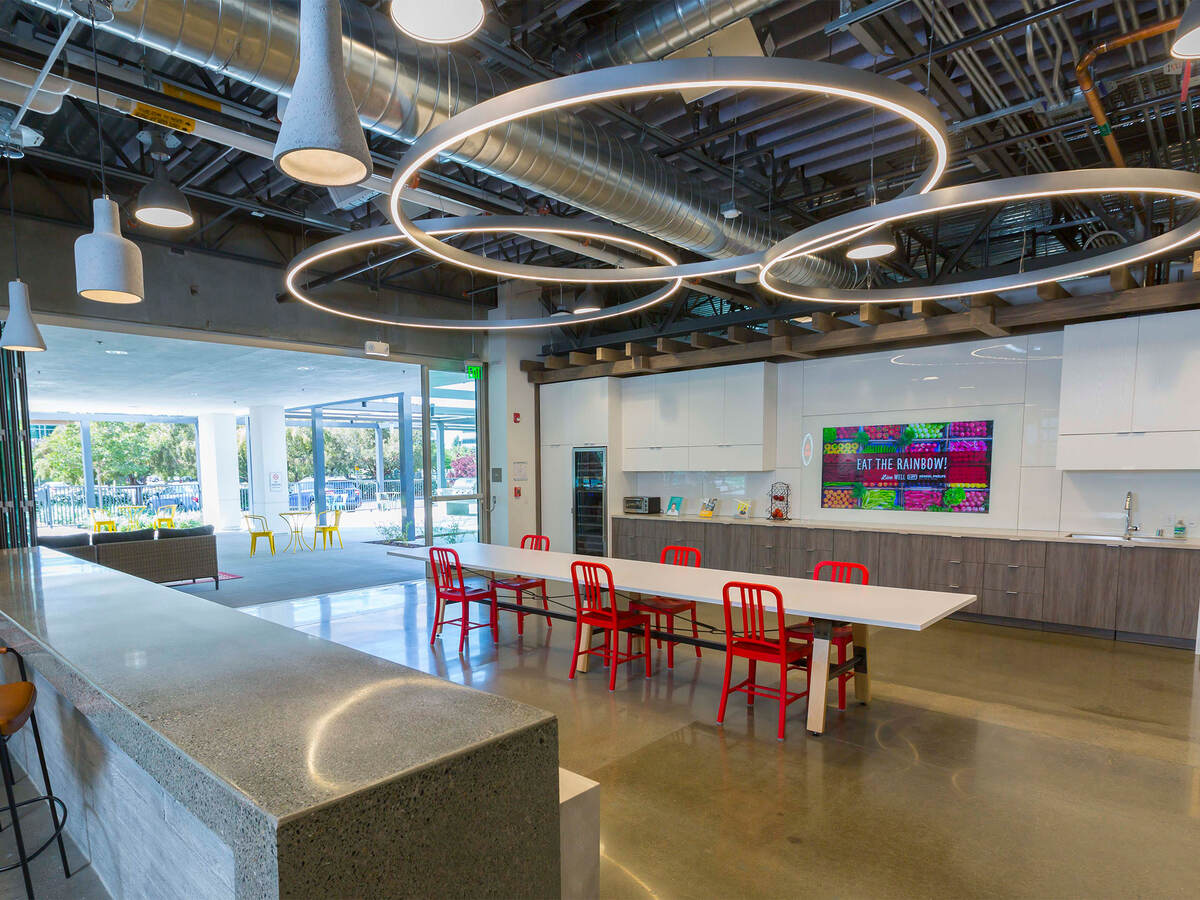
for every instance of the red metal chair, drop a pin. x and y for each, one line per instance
(843, 635)
(669, 606)
(519, 584)
(591, 581)
(449, 587)
(755, 642)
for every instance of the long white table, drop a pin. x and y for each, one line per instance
(822, 601)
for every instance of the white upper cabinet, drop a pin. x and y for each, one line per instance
(1099, 362)
(1166, 389)
(706, 399)
(639, 419)
(575, 413)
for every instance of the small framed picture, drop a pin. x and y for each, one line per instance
(708, 507)
(743, 509)
(675, 506)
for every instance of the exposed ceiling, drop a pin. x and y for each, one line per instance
(1000, 71)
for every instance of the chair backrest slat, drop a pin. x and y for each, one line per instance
(841, 572)
(590, 581)
(680, 556)
(535, 542)
(753, 625)
(447, 570)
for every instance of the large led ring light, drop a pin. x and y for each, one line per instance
(1168, 182)
(525, 225)
(799, 76)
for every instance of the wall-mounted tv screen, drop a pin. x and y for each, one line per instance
(918, 467)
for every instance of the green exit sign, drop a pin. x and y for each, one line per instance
(474, 370)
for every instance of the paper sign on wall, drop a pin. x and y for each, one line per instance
(520, 471)
(276, 481)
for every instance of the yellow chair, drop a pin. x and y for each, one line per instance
(101, 521)
(165, 517)
(258, 527)
(328, 531)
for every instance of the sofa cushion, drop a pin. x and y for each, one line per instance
(121, 537)
(164, 533)
(60, 541)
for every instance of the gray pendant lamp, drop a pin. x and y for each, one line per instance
(20, 332)
(438, 22)
(589, 301)
(108, 266)
(160, 203)
(1187, 35)
(322, 141)
(873, 244)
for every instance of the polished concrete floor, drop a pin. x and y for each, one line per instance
(992, 762)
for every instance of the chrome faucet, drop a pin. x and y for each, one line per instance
(1130, 528)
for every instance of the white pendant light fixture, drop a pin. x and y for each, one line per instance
(20, 333)
(1187, 35)
(438, 21)
(322, 141)
(873, 244)
(589, 301)
(108, 266)
(160, 203)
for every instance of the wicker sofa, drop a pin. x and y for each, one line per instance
(170, 554)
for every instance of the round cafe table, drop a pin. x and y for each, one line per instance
(295, 524)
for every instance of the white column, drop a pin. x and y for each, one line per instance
(509, 393)
(216, 457)
(268, 464)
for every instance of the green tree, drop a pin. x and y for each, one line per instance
(59, 455)
(125, 452)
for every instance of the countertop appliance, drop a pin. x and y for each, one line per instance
(646, 506)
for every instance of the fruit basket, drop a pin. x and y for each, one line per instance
(779, 501)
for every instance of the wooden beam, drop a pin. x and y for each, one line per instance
(980, 300)
(532, 365)
(874, 314)
(633, 350)
(667, 345)
(1052, 290)
(555, 362)
(983, 318)
(824, 322)
(927, 309)
(740, 335)
(641, 363)
(782, 346)
(702, 341)
(783, 328)
(1122, 279)
(608, 354)
(579, 358)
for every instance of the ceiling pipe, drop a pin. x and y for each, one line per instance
(1088, 86)
(658, 30)
(402, 89)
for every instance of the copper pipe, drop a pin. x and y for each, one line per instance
(1086, 84)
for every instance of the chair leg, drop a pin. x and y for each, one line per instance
(695, 632)
(725, 688)
(271, 541)
(671, 644)
(495, 621)
(613, 645)
(7, 772)
(753, 682)
(546, 606)
(658, 627)
(520, 596)
(575, 655)
(646, 646)
(783, 692)
(464, 625)
(37, 740)
(338, 532)
(253, 541)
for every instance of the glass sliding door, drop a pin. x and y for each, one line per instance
(455, 476)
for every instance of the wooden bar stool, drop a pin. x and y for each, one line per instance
(670, 606)
(755, 642)
(449, 587)
(591, 581)
(843, 635)
(519, 584)
(17, 700)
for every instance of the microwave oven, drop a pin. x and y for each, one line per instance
(647, 506)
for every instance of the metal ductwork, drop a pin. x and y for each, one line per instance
(658, 30)
(403, 88)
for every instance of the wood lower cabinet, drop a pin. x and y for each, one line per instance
(1081, 585)
(1159, 592)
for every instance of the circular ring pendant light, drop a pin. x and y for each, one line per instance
(1162, 182)
(525, 225)
(437, 22)
(791, 75)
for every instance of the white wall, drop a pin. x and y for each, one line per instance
(217, 462)
(268, 462)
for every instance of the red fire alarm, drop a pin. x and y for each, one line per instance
(516, 418)
(516, 493)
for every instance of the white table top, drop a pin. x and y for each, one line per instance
(863, 604)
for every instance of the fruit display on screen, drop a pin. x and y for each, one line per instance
(918, 467)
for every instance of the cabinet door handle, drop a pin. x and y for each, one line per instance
(955, 585)
(1012, 592)
(954, 562)
(1012, 566)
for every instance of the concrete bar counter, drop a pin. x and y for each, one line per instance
(206, 753)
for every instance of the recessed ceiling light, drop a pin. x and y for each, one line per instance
(304, 368)
(931, 378)
(117, 352)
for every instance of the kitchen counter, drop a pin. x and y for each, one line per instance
(1010, 534)
(324, 770)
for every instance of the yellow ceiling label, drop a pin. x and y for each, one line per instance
(167, 119)
(184, 94)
